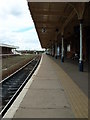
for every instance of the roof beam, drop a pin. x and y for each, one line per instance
(68, 20)
(39, 12)
(45, 22)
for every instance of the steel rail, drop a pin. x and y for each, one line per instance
(6, 107)
(17, 71)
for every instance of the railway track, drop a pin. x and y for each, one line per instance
(12, 85)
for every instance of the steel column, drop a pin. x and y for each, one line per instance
(81, 54)
(62, 55)
(56, 50)
(52, 51)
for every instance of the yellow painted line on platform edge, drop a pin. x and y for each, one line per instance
(77, 99)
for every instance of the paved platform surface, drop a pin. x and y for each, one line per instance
(50, 93)
(71, 67)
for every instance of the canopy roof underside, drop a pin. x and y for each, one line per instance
(53, 19)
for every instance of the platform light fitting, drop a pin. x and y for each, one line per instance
(57, 30)
(43, 30)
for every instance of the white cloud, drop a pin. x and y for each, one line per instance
(16, 25)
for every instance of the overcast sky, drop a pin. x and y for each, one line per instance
(16, 25)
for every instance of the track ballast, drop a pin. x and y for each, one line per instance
(12, 85)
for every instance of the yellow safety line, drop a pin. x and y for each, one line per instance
(77, 99)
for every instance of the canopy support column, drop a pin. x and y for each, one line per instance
(56, 50)
(62, 55)
(81, 54)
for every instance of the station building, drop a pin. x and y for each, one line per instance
(57, 90)
(7, 49)
(63, 28)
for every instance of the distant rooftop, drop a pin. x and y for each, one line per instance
(9, 46)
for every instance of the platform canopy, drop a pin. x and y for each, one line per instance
(53, 19)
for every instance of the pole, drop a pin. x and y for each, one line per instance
(62, 56)
(81, 54)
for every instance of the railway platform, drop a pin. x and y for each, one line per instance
(50, 93)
